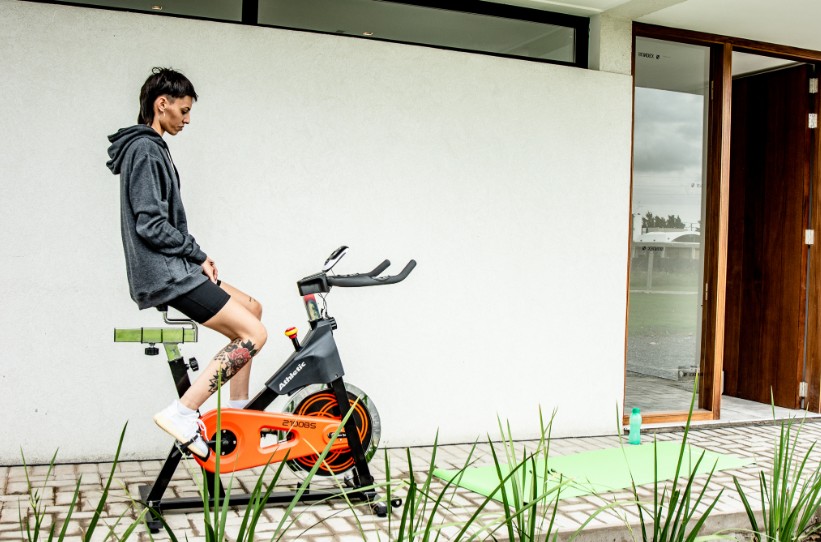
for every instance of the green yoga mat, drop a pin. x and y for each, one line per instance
(597, 471)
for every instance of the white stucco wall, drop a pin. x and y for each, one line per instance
(507, 180)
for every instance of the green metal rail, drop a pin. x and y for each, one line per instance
(156, 335)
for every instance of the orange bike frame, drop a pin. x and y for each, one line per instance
(310, 436)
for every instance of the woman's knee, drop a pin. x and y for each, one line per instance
(252, 338)
(236, 321)
(258, 335)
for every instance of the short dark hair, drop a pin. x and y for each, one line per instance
(161, 82)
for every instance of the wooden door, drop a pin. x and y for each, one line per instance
(766, 253)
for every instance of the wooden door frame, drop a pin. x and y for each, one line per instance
(813, 316)
(717, 170)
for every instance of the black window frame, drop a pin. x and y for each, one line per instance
(250, 17)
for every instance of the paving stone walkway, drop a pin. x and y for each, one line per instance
(339, 522)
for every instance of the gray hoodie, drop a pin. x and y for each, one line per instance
(162, 259)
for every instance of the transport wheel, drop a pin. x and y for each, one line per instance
(318, 400)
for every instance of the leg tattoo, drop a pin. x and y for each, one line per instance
(231, 359)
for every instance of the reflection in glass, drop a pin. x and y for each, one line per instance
(664, 321)
(224, 10)
(396, 21)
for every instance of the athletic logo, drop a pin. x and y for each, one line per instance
(292, 375)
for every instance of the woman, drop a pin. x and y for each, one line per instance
(164, 263)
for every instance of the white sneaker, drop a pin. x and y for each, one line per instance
(188, 430)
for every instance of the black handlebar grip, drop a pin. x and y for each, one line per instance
(406, 271)
(379, 268)
(353, 281)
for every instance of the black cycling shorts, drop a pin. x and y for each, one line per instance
(201, 303)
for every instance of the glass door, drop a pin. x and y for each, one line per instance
(668, 211)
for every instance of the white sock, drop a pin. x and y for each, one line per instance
(184, 410)
(237, 403)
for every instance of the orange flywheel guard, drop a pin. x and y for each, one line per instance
(309, 435)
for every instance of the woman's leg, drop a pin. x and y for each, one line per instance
(240, 381)
(247, 336)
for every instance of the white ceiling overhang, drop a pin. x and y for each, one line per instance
(783, 22)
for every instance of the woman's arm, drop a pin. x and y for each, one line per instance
(151, 213)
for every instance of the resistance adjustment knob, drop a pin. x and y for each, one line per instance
(291, 333)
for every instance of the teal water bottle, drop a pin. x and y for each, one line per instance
(635, 427)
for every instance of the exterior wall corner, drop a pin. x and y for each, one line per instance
(610, 44)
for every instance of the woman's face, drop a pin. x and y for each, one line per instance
(172, 114)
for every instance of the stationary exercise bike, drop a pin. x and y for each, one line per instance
(317, 401)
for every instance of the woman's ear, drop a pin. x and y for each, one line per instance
(160, 104)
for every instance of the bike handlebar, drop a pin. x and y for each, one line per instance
(321, 282)
(379, 268)
(372, 278)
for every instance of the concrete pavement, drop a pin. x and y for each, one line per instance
(337, 522)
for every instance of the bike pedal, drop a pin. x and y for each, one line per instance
(188, 453)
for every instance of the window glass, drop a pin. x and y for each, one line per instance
(223, 10)
(666, 266)
(424, 25)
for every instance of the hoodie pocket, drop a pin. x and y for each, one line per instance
(177, 270)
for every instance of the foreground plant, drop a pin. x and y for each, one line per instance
(526, 489)
(673, 515)
(789, 500)
(32, 524)
(531, 500)
(426, 510)
(527, 494)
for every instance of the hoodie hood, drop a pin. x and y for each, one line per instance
(124, 138)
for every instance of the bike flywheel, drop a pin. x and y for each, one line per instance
(318, 400)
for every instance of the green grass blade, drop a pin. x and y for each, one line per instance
(410, 499)
(692, 537)
(505, 500)
(71, 507)
(104, 497)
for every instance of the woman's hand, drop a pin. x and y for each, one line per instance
(210, 269)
